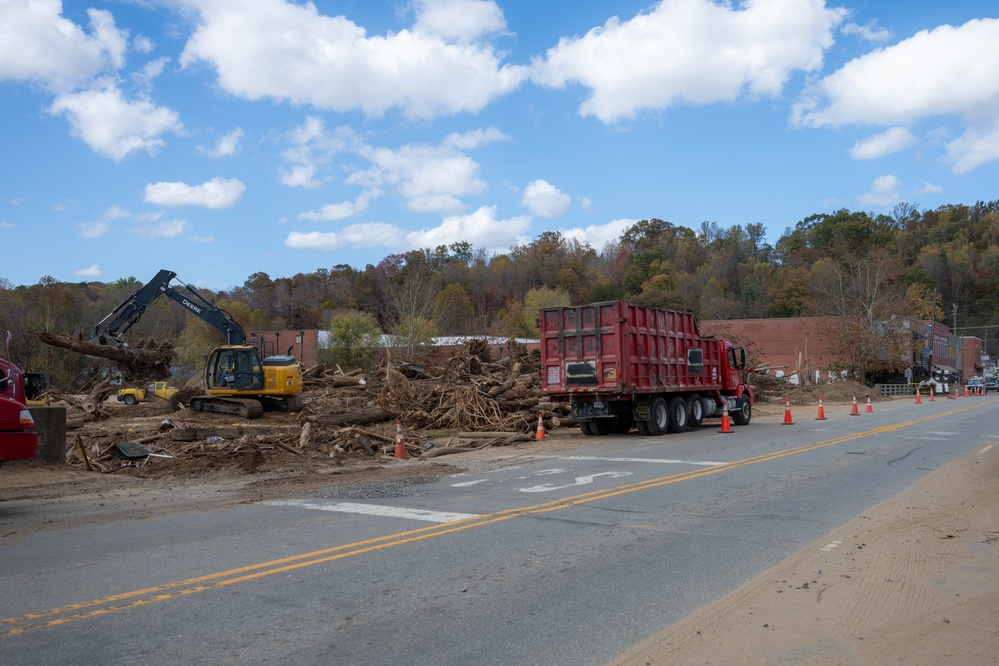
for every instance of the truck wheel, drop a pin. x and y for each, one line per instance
(601, 427)
(677, 415)
(658, 417)
(622, 424)
(743, 413)
(129, 399)
(695, 412)
(586, 429)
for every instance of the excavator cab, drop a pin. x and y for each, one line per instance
(233, 369)
(237, 382)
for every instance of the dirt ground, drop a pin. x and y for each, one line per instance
(912, 581)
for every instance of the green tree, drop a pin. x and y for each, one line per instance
(354, 337)
(453, 311)
(541, 297)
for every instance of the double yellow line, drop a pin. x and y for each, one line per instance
(136, 598)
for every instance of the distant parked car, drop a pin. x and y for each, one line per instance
(975, 384)
(992, 384)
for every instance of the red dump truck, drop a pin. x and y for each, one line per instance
(622, 366)
(18, 436)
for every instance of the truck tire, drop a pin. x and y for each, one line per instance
(677, 415)
(658, 423)
(622, 424)
(129, 399)
(586, 429)
(695, 412)
(743, 413)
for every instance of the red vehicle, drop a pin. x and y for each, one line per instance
(622, 366)
(18, 437)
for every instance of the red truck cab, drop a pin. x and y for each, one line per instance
(18, 436)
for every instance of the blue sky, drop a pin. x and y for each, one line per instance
(219, 139)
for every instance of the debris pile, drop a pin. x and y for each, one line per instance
(463, 403)
(778, 389)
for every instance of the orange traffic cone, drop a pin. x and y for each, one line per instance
(400, 444)
(965, 391)
(540, 435)
(787, 413)
(726, 426)
(933, 389)
(919, 400)
(853, 409)
(822, 412)
(870, 408)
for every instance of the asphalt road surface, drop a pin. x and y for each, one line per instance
(568, 556)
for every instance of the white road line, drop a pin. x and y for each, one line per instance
(985, 450)
(466, 484)
(377, 510)
(664, 461)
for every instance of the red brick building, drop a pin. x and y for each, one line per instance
(302, 344)
(784, 344)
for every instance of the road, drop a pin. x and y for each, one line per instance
(568, 555)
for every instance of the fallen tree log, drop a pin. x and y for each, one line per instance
(146, 360)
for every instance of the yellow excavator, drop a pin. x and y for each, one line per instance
(237, 382)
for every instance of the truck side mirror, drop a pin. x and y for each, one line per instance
(742, 358)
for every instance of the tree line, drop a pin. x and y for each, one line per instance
(940, 265)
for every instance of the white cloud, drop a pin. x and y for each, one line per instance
(892, 141)
(884, 192)
(545, 200)
(143, 44)
(693, 51)
(150, 71)
(977, 146)
(216, 193)
(311, 150)
(369, 234)
(92, 272)
(343, 210)
(929, 188)
(113, 126)
(116, 212)
(291, 52)
(870, 32)
(6, 226)
(480, 228)
(429, 177)
(93, 229)
(313, 240)
(599, 235)
(203, 239)
(475, 138)
(170, 229)
(947, 71)
(461, 20)
(38, 44)
(227, 144)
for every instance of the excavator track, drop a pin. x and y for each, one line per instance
(244, 408)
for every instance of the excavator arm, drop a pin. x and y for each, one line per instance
(110, 329)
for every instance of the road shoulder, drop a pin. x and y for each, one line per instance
(912, 580)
